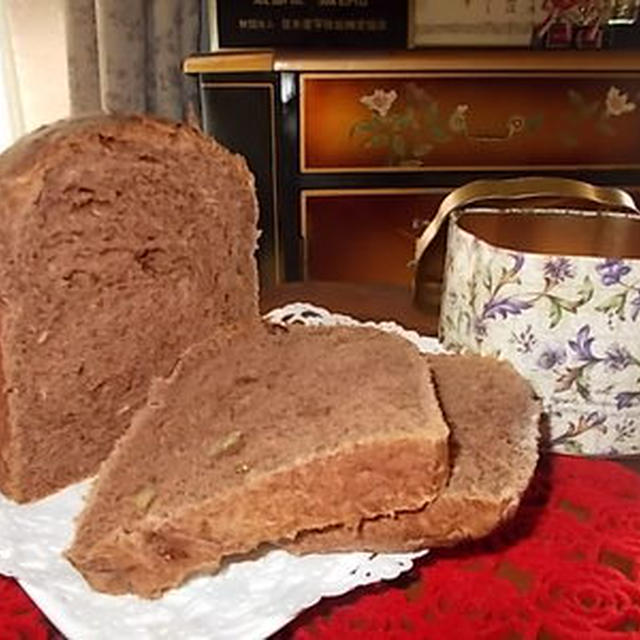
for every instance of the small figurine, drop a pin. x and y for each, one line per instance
(572, 23)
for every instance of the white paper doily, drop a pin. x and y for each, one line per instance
(247, 600)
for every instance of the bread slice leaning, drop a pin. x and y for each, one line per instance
(254, 438)
(494, 423)
(123, 240)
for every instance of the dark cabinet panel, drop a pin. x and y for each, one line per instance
(241, 115)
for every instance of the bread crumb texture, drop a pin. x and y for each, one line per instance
(494, 422)
(123, 240)
(256, 437)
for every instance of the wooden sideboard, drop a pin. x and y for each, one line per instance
(353, 151)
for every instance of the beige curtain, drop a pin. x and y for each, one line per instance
(125, 55)
(11, 116)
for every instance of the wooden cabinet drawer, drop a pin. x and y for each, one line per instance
(424, 122)
(368, 235)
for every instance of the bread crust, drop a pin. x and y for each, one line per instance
(446, 522)
(157, 554)
(4, 419)
(30, 153)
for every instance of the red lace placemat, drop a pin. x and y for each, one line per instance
(20, 619)
(567, 567)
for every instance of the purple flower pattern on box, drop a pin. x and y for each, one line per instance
(627, 399)
(569, 323)
(613, 274)
(558, 270)
(618, 358)
(587, 422)
(500, 305)
(576, 376)
(582, 345)
(503, 307)
(552, 357)
(524, 340)
(612, 271)
(635, 306)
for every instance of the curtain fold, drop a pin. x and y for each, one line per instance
(82, 55)
(127, 55)
(11, 117)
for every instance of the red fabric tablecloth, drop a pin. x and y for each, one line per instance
(20, 619)
(567, 567)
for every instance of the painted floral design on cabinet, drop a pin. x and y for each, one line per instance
(491, 121)
(602, 117)
(412, 131)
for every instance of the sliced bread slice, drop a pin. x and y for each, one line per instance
(494, 422)
(123, 240)
(255, 438)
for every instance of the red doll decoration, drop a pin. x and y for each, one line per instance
(573, 23)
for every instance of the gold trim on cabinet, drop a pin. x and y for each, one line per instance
(279, 257)
(445, 59)
(411, 26)
(305, 194)
(230, 62)
(472, 74)
(468, 60)
(422, 169)
(488, 168)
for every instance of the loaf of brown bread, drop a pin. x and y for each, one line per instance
(254, 438)
(123, 240)
(494, 423)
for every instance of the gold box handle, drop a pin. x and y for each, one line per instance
(483, 191)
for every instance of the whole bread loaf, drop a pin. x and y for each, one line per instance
(494, 423)
(254, 438)
(123, 240)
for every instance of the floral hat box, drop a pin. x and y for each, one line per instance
(556, 291)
